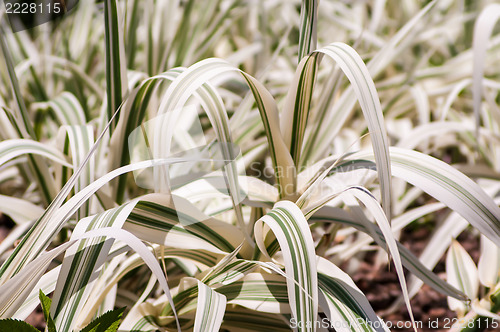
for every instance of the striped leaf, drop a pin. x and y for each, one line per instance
(76, 142)
(298, 103)
(80, 264)
(45, 229)
(461, 273)
(489, 263)
(145, 254)
(288, 224)
(345, 303)
(408, 259)
(483, 29)
(47, 284)
(16, 290)
(197, 75)
(116, 76)
(210, 309)
(308, 27)
(443, 182)
(243, 320)
(25, 129)
(66, 109)
(372, 205)
(20, 106)
(13, 148)
(266, 293)
(114, 273)
(318, 143)
(181, 226)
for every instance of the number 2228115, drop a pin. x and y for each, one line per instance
(33, 8)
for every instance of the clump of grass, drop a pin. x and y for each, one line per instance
(128, 127)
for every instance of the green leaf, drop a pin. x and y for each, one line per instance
(16, 325)
(116, 76)
(107, 322)
(46, 302)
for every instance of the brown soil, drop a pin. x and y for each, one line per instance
(429, 307)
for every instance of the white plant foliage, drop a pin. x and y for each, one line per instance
(462, 273)
(118, 135)
(489, 263)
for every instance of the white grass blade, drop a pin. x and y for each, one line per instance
(343, 302)
(373, 206)
(186, 84)
(344, 106)
(201, 258)
(262, 293)
(435, 249)
(42, 233)
(461, 273)
(409, 260)
(22, 116)
(81, 140)
(66, 108)
(482, 32)
(446, 184)
(25, 129)
(13, 148)
(190, 81)
(298, 104)
(15, 291)
(489, 263)
(357, 73)
(47, 284)
(292, 232)
(308, 26)
(116, 76)
(210, 309)
(21, 211)
(79, 268)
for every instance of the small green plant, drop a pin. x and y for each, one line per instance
(107, 322)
